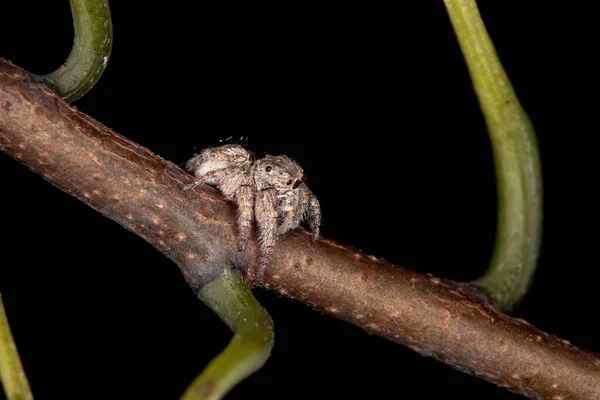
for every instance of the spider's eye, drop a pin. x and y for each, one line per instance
(268, 169)
(289, 182)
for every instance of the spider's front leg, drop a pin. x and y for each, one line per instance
(245, 201)
(265, 212)
(313, 216)
(288, 210)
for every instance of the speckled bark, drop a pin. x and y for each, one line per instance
(196, 229)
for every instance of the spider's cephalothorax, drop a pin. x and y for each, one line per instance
(269, 190)
(277, 172)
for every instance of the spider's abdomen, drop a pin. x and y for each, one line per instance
(218, 158)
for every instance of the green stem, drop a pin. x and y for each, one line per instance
(251, 345)
(516, 159)
(12, 375)
(90, 53)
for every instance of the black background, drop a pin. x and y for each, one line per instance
(376, 104)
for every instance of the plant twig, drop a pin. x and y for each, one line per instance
(91, 50)
(12, 376)
(233, 302)
(516, 157)
(196, 229)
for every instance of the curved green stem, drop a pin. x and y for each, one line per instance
(251, 345)
(90, 53)
(516, 159)
(12, 375)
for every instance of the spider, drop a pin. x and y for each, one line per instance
(269, 190)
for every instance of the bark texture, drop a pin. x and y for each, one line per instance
(196, 229)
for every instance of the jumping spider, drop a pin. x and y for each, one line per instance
(269, 190)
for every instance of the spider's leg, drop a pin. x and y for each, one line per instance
(303, 197)
(288, 210)
(245, 201)
(214, 177)
(198, 182)
(313, 216)
(266, 218)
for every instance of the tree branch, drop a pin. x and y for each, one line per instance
(137, 189)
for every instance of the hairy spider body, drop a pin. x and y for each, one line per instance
(270, 190)
(228, 168)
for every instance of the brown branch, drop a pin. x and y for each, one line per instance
(136, 188)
